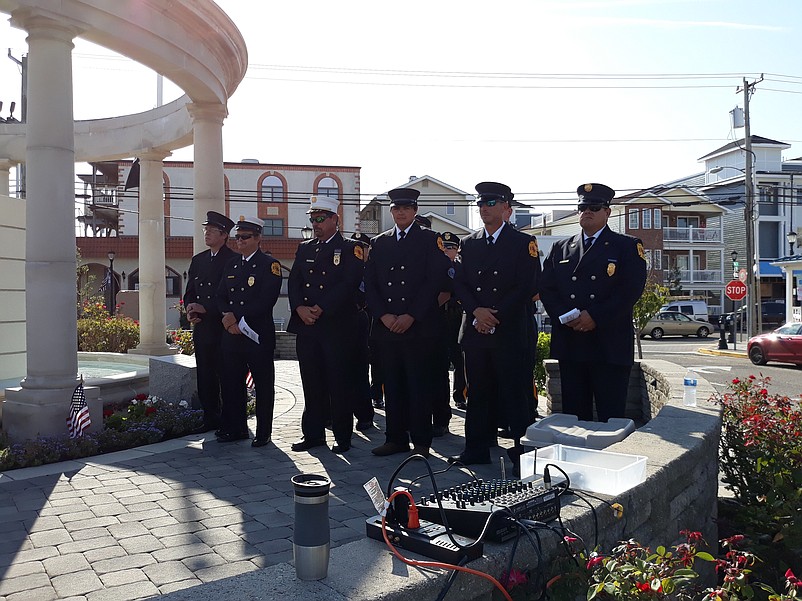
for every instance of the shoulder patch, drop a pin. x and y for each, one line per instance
(358, 253)
(640, 251)
(276, 268)
(440, 243)
(533, 249)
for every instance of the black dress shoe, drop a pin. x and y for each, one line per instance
(417, 450)
(305, 444)
(505, 433)
(232, 436)
(378, 403)
(363, 425)
(260, 442)
(466, 458)
(390, 448)
(341, 447)
(461, 405)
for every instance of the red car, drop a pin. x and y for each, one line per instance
(783, 344)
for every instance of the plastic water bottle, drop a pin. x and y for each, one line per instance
(689, 389)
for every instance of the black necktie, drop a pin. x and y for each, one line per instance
(490, 240)
(588, 243)
(401, 235)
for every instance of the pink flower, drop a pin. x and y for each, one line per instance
(515, 578)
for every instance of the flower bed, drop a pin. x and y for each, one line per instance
(141, 421)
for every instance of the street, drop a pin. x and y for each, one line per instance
(786, 379)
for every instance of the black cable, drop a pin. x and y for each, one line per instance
(450, 581)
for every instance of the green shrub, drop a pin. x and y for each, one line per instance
(100, 332)
(183, 340)
(543, 353)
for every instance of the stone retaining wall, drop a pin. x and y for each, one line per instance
(679, 492)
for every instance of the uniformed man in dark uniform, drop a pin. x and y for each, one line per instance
(403, 277)
(453, 313)
(248, 290)
(200, 300)
(601, 274)
(363, 405)
(323, 287)
(496, 277)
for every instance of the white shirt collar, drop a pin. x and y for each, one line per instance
(406, 231)
(496, 233)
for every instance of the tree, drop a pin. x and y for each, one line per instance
(654, 296)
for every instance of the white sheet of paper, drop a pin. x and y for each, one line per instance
(246, 329)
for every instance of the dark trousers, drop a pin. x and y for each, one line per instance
(326, 364)
(363, 408)
(584, 381)
(410, 370)
(376, 377)
(240, 355)
(209, 365)
(495, 396)
(441, 403)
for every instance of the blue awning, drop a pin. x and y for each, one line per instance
(767, 269)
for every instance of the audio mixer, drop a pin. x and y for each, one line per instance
(468, 506)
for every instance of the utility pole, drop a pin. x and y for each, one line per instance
(752, 273)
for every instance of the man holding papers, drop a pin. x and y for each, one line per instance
(248, 291)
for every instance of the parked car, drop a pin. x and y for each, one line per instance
(672, 323)
(772, 314)
(783, 344)
(695, 309)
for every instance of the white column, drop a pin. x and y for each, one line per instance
(41, 405)
(152, 291)
(207, 121)
(5, 175)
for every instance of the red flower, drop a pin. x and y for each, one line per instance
(789, 576)
(150, 410)
(108, 413)
(736, 381)
(141, 396)
(593, 561)
(643, 586)
(515, 578)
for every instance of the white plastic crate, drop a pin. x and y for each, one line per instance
(589, 469)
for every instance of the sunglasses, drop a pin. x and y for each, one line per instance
(591, 208)
(487, 203)
(243, 237)
(319, 219)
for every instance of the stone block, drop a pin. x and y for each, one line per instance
(173, 379)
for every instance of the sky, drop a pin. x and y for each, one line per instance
(541, 95)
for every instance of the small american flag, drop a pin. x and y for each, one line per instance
(78, 419)
(106, 281)
(249, 380)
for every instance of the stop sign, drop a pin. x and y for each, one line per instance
(735, 290)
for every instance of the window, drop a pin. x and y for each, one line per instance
(647, 219)
(328, 187)
(273, 228)
(451, 208)
(687, 222)
(272, 189)
(648, 254)
(633, 219)
(172, 282)
(657, 259)
(658, 218)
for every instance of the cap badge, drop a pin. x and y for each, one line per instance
(588, 187)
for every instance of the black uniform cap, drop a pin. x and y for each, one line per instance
(595, 194)
(361, 238)
(403, 196)
(450, 240)
(219, 221)
(423, 221)
(491, 190)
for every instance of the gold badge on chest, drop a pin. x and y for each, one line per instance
(337, 256)
(251, 281)
(610, 269)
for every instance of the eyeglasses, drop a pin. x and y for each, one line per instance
(243, 237)
(319, 219)
(487, 203)
(591, 208)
